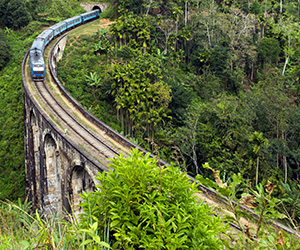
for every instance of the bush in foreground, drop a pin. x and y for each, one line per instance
(142, 206)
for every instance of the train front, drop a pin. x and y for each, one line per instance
(37, 63)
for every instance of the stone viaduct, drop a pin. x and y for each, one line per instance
(57, 168)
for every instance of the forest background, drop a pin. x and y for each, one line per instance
(191, 81)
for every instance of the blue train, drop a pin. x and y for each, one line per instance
(37, 63)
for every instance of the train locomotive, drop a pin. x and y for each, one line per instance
(37, 63)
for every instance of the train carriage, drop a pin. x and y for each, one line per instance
(38, 44)
(90, 15)
(59, 28)
(46, 35)
(36, 59)
(73, 21)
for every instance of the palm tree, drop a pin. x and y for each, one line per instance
(259, 141)
(94, 81)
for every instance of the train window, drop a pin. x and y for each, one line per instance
(38, 70)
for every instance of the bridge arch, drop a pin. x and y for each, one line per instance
(35, 157)
(51, 176)
(80, 181)
(34, 130)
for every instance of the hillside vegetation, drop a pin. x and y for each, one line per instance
(200, 83)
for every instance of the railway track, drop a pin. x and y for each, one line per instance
(73, 126)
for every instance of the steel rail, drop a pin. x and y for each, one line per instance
(42, 88)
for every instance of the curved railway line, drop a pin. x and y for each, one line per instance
(99, 144)
(73, 124)
(93, 140)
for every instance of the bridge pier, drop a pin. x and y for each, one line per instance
(57, 170)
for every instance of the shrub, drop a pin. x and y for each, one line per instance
(4, 52)
(142, 206)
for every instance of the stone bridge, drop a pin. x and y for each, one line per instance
(57, 168)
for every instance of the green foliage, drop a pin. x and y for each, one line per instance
(259, 141)
(129, 28)
(19, 229)
(269, 50)
(58, 10)
(14, 13)
(255, 8)
(149, 207)
(4, 52)
(140, 95)
(12, 174)
(218, 132)
(209, 53)
(15, 224)
(290, 196)
(94, 240)
(110, 12)
(257, 216)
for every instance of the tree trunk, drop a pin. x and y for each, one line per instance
(208, 35)
(277, 136)
(127, 123)
(298, 167)
(185, 13)
(284, 160)
(152, 139)
(262, 31)
(286, 61)
(257, 165)
(288, 57)
(148, 8)
(166, 45)
(285, 169)
(176, 35)
(122, 121)
(195, 160)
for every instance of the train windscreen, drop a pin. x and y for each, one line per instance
(38, 70)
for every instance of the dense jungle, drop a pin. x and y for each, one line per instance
(209, 86)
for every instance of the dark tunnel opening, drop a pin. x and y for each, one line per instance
(96, 8)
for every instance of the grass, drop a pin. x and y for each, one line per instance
(83, 147)
(21, 230)
(78, 118)
(89, 28)
(56, 122)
